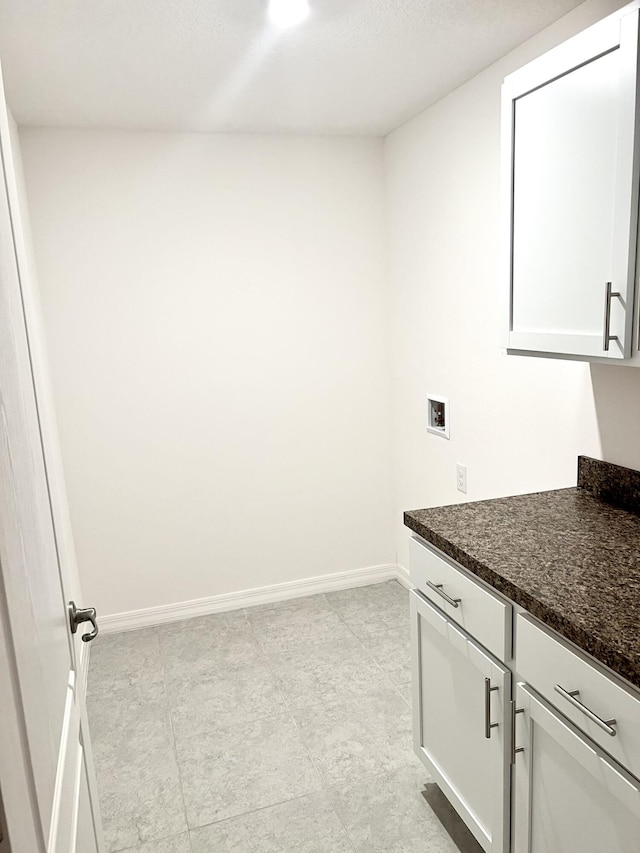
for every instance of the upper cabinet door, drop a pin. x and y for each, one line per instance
(570, 183)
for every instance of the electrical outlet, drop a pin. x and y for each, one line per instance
(461, 478)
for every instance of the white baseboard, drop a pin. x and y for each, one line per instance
(402, 576)
(152, 616)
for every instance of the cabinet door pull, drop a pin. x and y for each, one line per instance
(514, 750)
(606, 336)
(437, 587)
(488, 725)
(570, 696)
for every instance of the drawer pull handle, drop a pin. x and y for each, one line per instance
(514, 749)
(437, 587)
(570, 696)
(488, 725)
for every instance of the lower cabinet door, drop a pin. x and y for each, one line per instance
(461, 699)
(569, 795)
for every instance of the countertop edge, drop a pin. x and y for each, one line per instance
(619, 664)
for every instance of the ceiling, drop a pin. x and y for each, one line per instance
(352, 67)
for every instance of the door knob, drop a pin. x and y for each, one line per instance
(78, 615)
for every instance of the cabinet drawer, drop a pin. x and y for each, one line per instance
(484, 614)
(546, 663)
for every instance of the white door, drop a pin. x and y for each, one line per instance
(46, 774)
(461, 697)
(569, 794)
(571, 194)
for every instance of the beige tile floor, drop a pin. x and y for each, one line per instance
(278, 729)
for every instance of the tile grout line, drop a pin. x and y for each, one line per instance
(287, 705)
(368, 654)
(285, 713)
(381, 775)
(288, 710)
(318, 702)
(140, 840)
(154, 841)
(359, 640)
(366, 650)
(252, 811)
(173, 737)
(325, 787)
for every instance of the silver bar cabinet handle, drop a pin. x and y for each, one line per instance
(514, 750)
(488, 725)
(437, 587)
(607, 336)
(570, 696)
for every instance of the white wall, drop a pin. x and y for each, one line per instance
(40, 365)
(217, 315)
(220, 328)
(517, 423)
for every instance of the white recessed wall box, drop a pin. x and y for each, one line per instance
(438, 415)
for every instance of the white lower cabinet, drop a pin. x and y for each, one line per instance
(462, 727)
(554, 771)
(569, 795)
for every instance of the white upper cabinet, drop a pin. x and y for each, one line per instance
(570, 184)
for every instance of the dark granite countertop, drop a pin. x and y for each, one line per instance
(569, 557)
